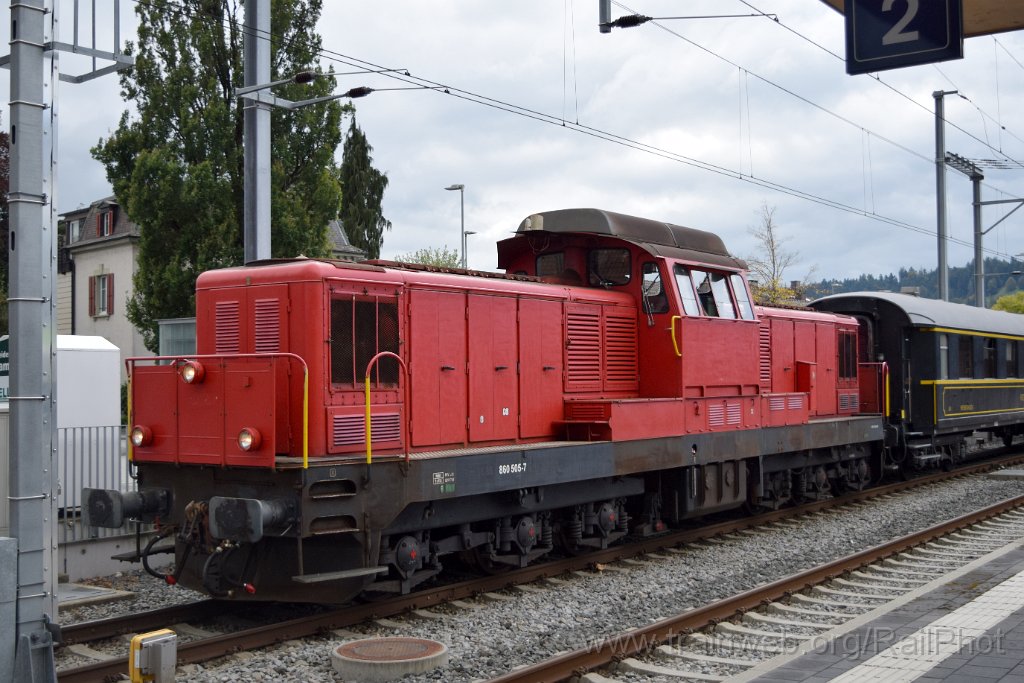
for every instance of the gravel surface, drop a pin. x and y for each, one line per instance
(492, 636)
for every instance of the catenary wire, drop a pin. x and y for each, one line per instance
(355, 62)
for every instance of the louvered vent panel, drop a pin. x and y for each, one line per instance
(716, 415)
(733, 413)
(593, 412)
(795, 402)
(620, 353)
(764, 345)
(226, 325)
(848, 402)
(350, 430)
(583, 353)
(267, 334)
(777, 403)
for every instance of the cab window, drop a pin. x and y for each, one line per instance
(652, 290)
(713, 293)
(550, 265)
(739, 288)
(686, 293)
(606, 267)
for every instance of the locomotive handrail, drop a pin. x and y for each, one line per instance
(405, 371)
(177, 360)
(675, 342)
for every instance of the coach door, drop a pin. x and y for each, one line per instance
(493, 380)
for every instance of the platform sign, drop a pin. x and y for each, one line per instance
(888, 34)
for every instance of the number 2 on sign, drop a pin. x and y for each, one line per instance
(896, 34)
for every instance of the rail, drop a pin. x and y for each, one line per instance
(565, 666)
(204, 650)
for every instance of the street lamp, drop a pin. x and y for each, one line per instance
(462, 212)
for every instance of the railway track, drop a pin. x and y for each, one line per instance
(756, 625)
(205, 649)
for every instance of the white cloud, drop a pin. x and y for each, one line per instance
(707, 101)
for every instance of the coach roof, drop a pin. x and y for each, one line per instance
(920, 312)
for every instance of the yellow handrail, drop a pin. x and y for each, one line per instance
(369, 433)
(675, 342)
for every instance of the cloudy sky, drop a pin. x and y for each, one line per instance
(697, 122)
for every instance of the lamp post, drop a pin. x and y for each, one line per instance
(462, 223)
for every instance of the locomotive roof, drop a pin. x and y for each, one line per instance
(656, 237)
(920, 312)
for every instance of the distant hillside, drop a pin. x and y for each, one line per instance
(999, 281)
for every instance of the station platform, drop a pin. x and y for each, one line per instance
(966, 627)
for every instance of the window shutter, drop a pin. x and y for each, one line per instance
(92, 295)
(110, 294)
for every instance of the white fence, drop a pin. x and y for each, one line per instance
(93, 457)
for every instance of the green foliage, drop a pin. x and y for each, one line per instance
(442, 257)
(1002, 278)
(177, 167)
(1012, 303)
(772, 294)
(364, 187)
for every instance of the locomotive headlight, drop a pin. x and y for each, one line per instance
(249, 439)
(192, 372)
(141, 436)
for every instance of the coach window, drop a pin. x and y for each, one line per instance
(966, 356)
(989, 357)
(653, 290)
(361, 328)
(685, 285)
(1011, 358)
(943, 356)
(607, 267)
(739, 288)
(550, 265)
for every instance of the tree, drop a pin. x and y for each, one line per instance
(1012, 303)
(442, 257)
(177, 167)
(363, 188)
(769, 266)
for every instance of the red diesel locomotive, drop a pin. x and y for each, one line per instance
(345, 426)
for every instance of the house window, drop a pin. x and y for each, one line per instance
(101, 295)
(74, 231)
(104, 223)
